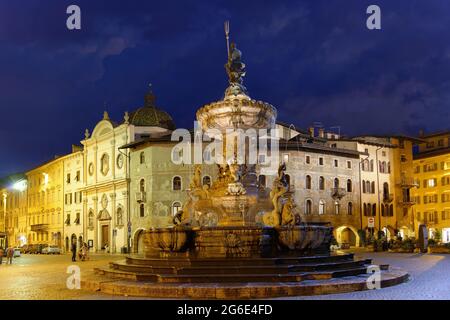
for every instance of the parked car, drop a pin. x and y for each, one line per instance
(49, 249)
(25, 248)
(36, 248)
(16, 252)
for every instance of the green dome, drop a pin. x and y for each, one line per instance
(150, 116)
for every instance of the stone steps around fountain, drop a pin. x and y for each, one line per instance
(244, 269)
(254, 261)
(106, 285)
(249, 277)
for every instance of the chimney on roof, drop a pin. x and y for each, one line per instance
(311, 131)
(321, 133)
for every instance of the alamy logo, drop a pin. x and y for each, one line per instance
(73, 22)
(374, 20)
(74, 280)
(374, 280)
(236, 146)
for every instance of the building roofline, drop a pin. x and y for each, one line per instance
(363, 141)
(431, 153)
(435, 134)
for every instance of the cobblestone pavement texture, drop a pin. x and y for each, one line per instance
(44, 277)
(429, 278)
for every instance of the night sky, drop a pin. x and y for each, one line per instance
(313, 60)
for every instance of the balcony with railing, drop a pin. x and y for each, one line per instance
(388, 197)
(407, 182)
(338, 193)
(406, 202)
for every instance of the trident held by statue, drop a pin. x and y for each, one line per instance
(227, 35)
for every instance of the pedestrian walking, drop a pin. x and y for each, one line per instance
(74, 251)
(9, 255)
(2, 252)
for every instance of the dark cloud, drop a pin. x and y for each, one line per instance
(314, 60)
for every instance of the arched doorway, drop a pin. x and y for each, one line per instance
(139, 241)
(347, 235)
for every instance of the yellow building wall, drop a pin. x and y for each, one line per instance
(45, 203)
(433, 194)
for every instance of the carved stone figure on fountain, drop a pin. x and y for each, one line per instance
(288, 213)
(279, 189)
(236, 71)
(235, 187)
(182, 217)
(282, 175)
(196, 188)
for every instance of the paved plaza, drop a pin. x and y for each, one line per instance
(429, 278)
(44, 277)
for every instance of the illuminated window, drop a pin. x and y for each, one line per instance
(321, 207)
(336, 207)
(175, 208)
(431, 183)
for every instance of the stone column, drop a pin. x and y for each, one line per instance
(85, 217)
(113, 159)
(112, 238)
(95, 163)
(126, 216)
(95, 200)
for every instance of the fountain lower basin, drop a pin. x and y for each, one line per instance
(237, 241)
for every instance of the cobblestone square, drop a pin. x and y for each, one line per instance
(33, 277)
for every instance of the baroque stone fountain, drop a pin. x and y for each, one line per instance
(230, 208)
(235, 239)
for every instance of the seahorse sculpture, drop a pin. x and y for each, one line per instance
(287, 213)
(279, 189)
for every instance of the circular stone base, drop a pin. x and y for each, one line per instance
(259, 290)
